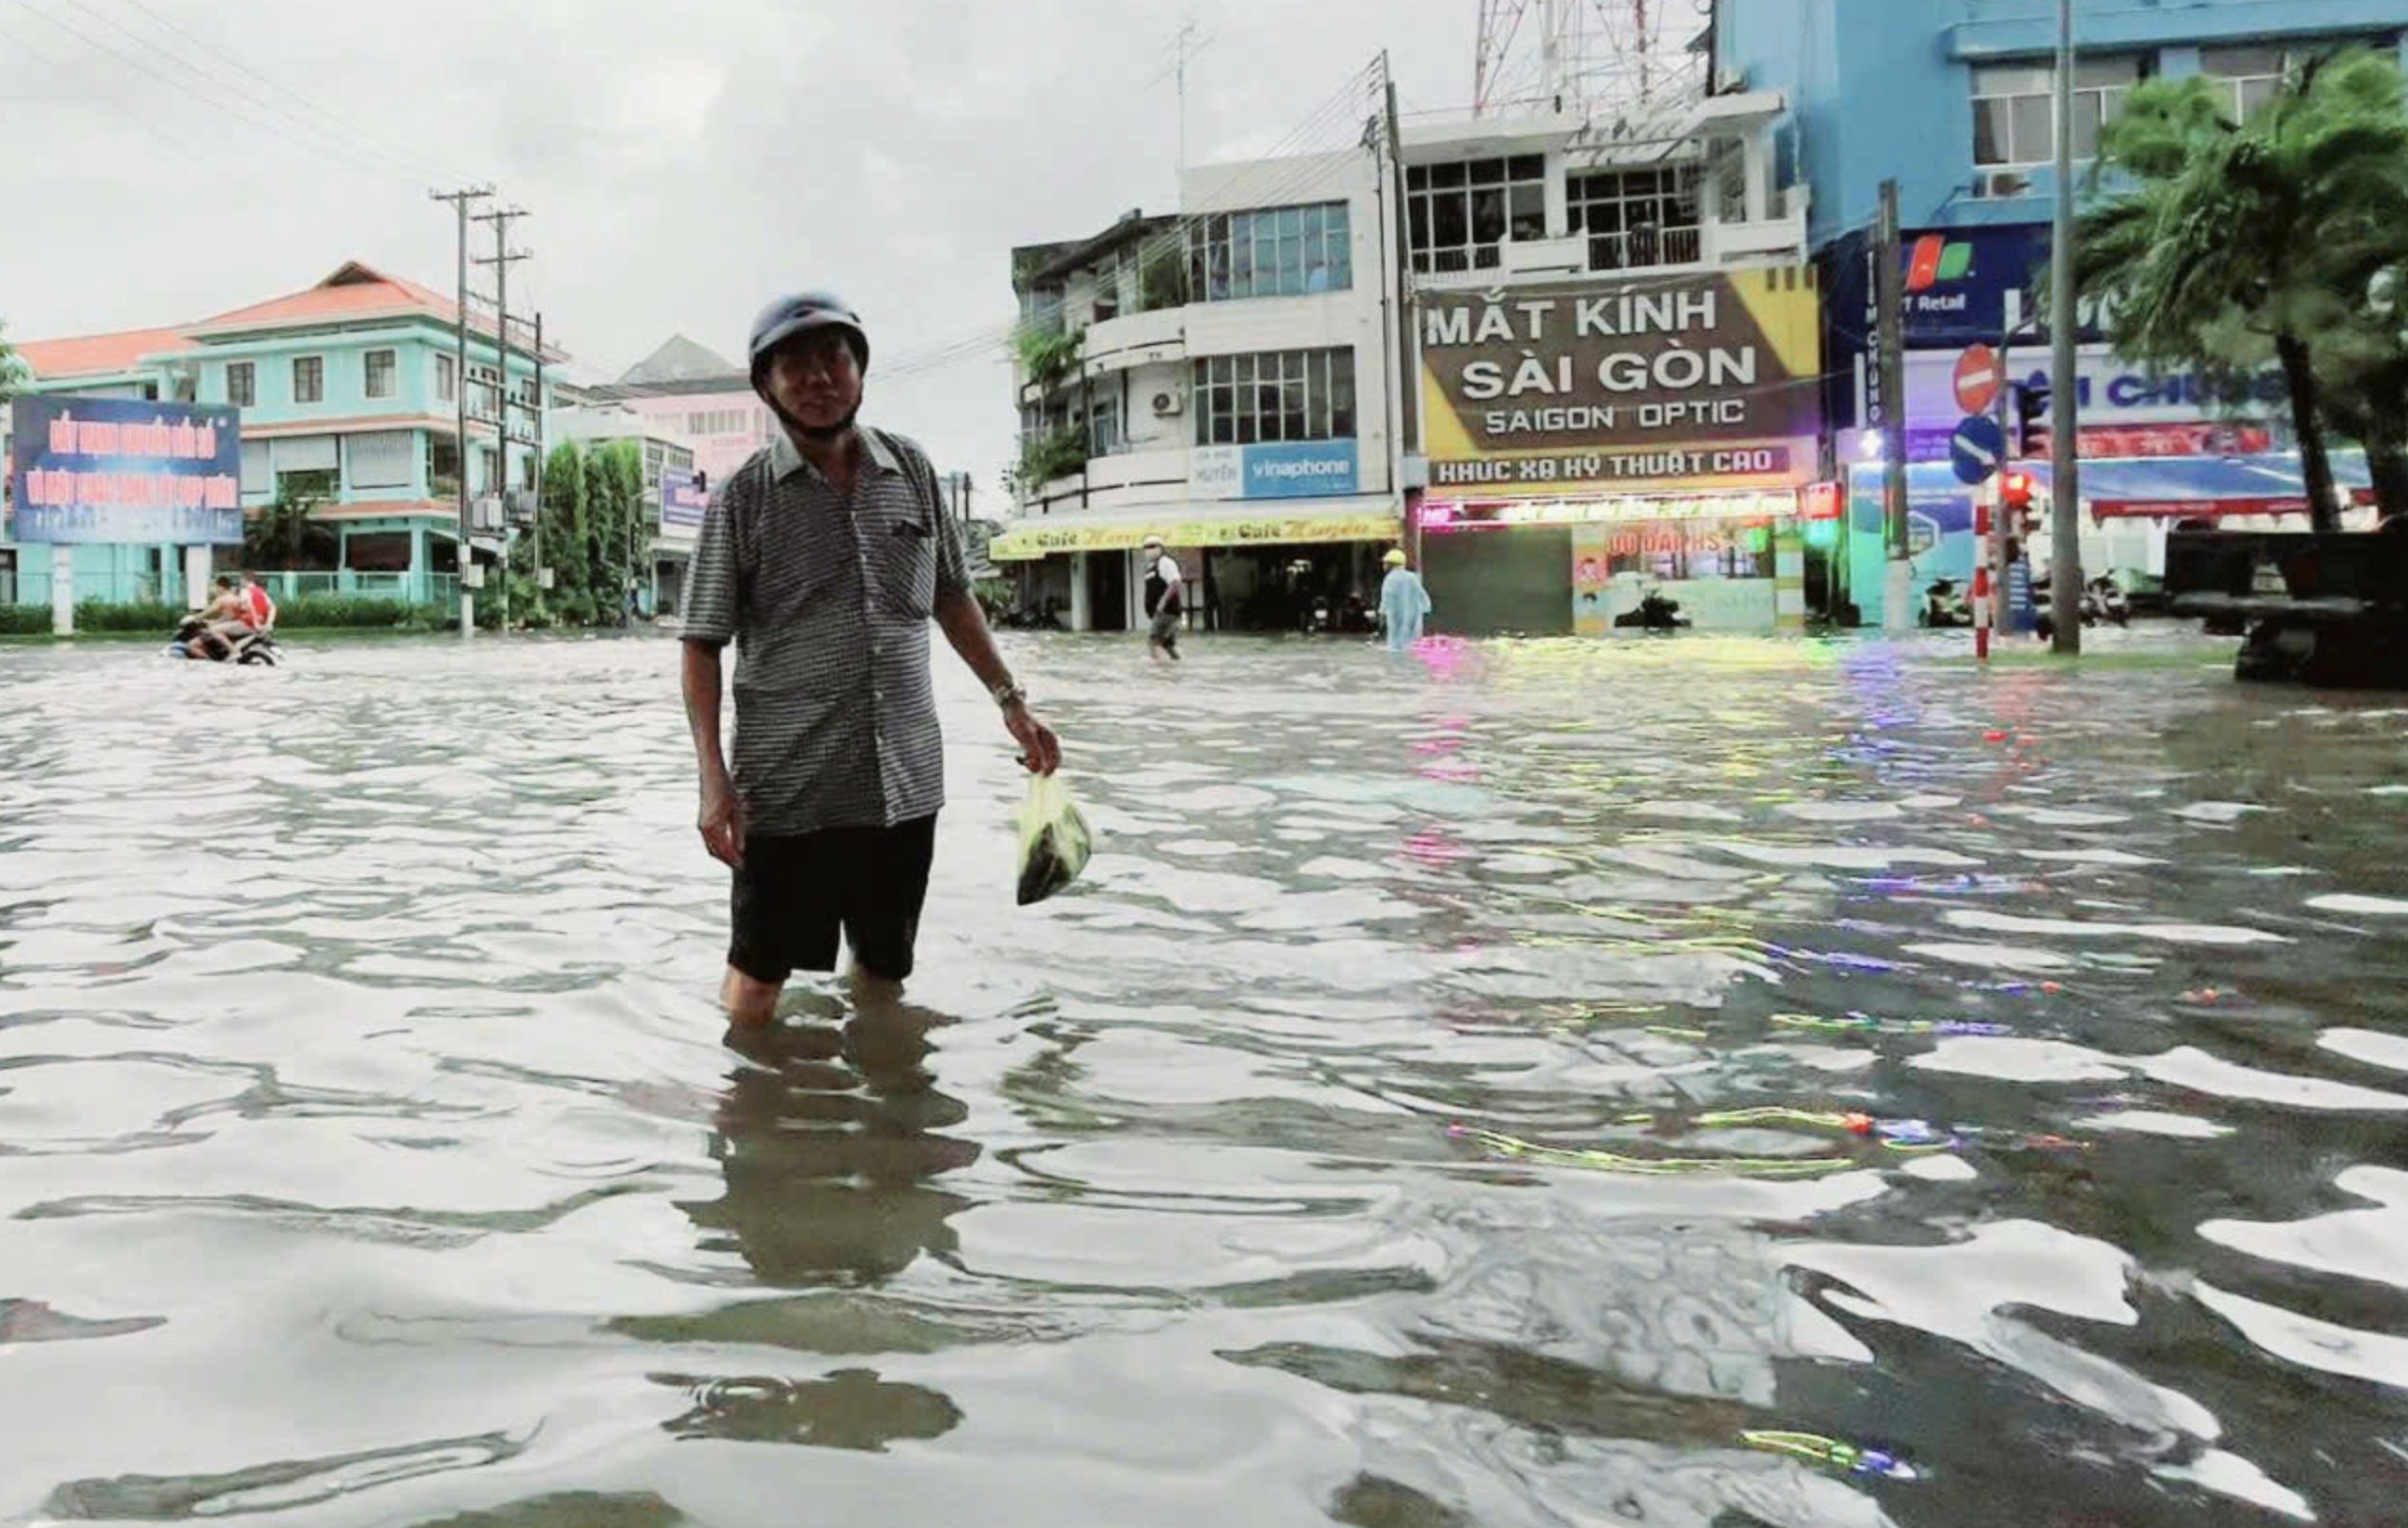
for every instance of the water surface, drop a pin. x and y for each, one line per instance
(368, 1154)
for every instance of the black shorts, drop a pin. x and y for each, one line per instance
(794, 894)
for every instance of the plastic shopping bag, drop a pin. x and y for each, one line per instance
(1055, 840)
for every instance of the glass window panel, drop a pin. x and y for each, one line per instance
(1315, 219)
(1484, 257)
(1339, 220)
(2104, 72)
(1417, 177)
(1218, 290)
(1528, 212)
(1291, 264)
(1291, 221)
(1442, 175)
(1450, 222)
(1529, 167)
(1342, 268)
(1296, 423)
(1990, 132)
(1241, 271)
(1488, 216)
(1420, 220)
(1222, 368)
(1487, 172)
(2034, 139)
(2086, 126)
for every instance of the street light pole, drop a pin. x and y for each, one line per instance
(2065, 486)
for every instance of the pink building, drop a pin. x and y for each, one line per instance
(693, 394)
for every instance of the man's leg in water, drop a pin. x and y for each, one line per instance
(751, 1003)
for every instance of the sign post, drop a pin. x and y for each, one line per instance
(1975, 451)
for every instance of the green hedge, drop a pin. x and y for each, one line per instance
(135, 615)
(303, 613)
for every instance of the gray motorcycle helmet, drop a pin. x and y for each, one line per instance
(800, 314)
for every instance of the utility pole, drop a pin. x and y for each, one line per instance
(2065, 485)
(1898, 579)
(501, 260)
(541, 431)
(1405, 377)
(459, 200)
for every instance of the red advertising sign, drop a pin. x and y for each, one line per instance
(2207, 438)
(1978, 379)
(1823, 501)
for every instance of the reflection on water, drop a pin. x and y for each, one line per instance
(1698, 1082)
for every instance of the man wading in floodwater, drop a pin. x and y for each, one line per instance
(823, 557)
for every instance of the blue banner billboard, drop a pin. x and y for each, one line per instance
(682, 498)
(125, 470)
(1298, 468)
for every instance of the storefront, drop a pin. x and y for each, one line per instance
(1244, 571)
(1591, 445)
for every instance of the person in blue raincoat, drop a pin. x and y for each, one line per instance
(1402, 604)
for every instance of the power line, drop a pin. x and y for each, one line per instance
(131, 115)
(358, 133)
(248, 98)
(269, 129)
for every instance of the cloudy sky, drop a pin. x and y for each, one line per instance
(683, 160)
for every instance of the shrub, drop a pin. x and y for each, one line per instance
(354, 610)
(132, 615)
(17, 619)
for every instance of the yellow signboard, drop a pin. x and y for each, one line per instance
(1710, 380)
(1026, 543)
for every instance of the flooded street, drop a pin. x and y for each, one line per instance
(1688, 1083)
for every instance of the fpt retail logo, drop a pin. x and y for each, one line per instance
(1935, 260)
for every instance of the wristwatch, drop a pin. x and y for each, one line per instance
(1009, 693)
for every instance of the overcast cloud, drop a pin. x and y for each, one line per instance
(682, 161)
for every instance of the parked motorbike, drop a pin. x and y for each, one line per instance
(1655, 613)
(1945, 606)
(194, 640)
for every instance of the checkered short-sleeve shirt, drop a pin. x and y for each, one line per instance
(829, 601)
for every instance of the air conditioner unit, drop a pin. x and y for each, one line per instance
(1990, 185)
(1169, 402)
(485, 514)
(519, 504)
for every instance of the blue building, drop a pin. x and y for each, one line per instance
(349, 392)
(1953, 100)
(1950, 98)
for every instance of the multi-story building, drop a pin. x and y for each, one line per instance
(1225, 380)
(348, 393)
(690, 393)
(1952, 99)
(667, 540)
(1619, 345)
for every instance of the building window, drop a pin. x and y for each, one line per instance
(490, 463)
(443, 467)
(379, 458)
(1637, 218)
(242, 384)
(1103, 426)
(380, 373)
(2248, 77)
(1460, 214)
(2015, 110)
(309, 379)
(1275, 395)
(1278, 251)
(446, 379)
(725, 421)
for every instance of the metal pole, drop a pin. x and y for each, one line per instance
(2065, 485)
(1898, 579)
(459, 200)
(540, 413)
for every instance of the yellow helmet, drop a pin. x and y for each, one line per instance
(1393, 559)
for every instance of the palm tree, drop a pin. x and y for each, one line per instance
(2265, 224)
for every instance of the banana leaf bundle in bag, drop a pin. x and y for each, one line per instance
(1055, 840)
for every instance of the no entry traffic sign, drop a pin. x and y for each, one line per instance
(1978, 378)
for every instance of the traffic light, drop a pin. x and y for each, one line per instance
(2032, 413)
(2015, 501)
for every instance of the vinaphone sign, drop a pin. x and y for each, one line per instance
(1685, 381)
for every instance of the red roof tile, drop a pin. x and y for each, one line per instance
(355, 291)
(92, 354)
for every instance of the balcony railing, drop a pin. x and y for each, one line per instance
(1645, 248)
